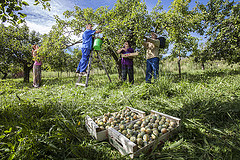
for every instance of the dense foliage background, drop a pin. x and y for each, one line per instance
(217, 22)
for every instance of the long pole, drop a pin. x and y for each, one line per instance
(103, 66)
(89, 67)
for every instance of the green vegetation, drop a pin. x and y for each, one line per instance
(182, 26)
(48, 122)
(11, 10)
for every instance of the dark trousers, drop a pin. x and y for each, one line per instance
(152, 66)
(127, 70)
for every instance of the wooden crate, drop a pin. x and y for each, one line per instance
(130, 55)
(101, 135)
(127, 147)
(95, 130)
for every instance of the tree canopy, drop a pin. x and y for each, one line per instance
(11, 10)
(222, 29)
(15, 48)
(128, 20)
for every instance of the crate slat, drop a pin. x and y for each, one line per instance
(141, 113)
(94, 130)
(123, 144)
(165, 115)
(80, 84)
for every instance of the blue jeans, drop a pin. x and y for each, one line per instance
(152, 66)
(82, 66)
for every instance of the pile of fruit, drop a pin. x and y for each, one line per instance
(141, 131)
(116, 119)
(146, 130)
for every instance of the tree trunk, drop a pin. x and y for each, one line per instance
(4, 75)
(118, 62)
(203, 66)
(26, 70)
(143, 70)
(179, 66)
(119, 67)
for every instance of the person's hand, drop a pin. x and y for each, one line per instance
(120, 50)
(142, 38)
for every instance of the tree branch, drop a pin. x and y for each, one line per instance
(72, 44)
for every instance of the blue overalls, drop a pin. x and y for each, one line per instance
(86, 49)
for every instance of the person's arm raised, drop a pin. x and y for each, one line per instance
(154, 41)
(98, 31)
(120, 50)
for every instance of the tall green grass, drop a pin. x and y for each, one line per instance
(48, 122)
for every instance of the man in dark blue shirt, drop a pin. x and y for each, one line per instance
(86, 49)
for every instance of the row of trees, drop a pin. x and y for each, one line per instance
(221, 26)
(218, 22)
(16, 46)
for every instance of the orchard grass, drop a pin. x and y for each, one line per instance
(48, 122)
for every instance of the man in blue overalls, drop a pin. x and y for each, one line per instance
(86, 49)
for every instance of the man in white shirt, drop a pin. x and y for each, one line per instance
(152, 55)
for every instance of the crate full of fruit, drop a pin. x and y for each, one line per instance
(97, 126)
(144, 134)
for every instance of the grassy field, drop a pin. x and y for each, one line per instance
(48, 122)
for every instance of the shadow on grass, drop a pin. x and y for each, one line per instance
(212, 111)
(202, 76)
(19, 84)
(48, 132)
(212, 127)
(58, 81)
